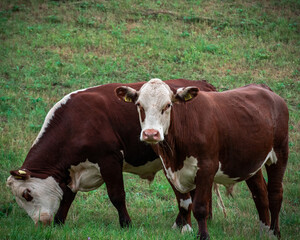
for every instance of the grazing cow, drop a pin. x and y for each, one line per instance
(88, 138)
(206, 137)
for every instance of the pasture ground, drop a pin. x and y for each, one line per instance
(50, 48)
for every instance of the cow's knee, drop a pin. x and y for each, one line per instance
(200, 212)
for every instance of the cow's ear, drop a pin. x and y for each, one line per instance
(21, 174)
(185, 94)
(127, 94)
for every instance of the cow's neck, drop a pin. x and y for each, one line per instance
(48, 157)
(182, 141)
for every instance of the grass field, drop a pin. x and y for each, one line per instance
(50, 48)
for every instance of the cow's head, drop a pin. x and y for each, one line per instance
(39, 197)
(154, 102)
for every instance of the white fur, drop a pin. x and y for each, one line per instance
(146, 171)
(183, 179)
(223, 178)
(154, 105)
(51, 113)
(46, 195)
(85, 177)
(265, 229)
(186, 228)
(185, 203)
(270, 159)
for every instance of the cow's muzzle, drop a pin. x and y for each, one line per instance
(151, 136)
(45, 219)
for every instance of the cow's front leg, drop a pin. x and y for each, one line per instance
(64, 206)
(201, 201)
(111, 171)
(183, 219)
(184, 201)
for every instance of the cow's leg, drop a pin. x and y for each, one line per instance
(210, 209)
(192, 193)
(275, 189)
(64, 207)
(201, 201)
(258, 188)
(111, 171)
(183, 219)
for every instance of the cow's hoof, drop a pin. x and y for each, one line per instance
(204, 236)
(125, 224)
(186, 228)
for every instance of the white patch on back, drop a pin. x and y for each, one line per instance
(146, 171)
(46, 195)
(185, 203)
(85, 177)
(183, 179)
(51, 113)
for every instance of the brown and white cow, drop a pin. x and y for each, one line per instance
(89, 138)
(217, 137)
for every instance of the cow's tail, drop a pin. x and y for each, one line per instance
(220, 200)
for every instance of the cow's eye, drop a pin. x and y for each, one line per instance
(166, 108)
(26, 195)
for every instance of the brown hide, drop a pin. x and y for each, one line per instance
(95, 125)
(237, 129)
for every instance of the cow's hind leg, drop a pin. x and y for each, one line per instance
(275, 190)
(258, 188)
(111, 171)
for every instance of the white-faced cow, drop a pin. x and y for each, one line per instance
(217, 137)
(89, 138)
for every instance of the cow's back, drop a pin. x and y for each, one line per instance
(251, 121)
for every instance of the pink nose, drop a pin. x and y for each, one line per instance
(151, 135)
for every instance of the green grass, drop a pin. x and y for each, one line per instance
(50, 48)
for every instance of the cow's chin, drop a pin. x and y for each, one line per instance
(152, 142)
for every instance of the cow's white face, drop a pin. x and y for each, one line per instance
(39, 197)
(154, 102)
(154, 108)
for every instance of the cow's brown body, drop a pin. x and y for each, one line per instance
(218, 137)
(93, 124)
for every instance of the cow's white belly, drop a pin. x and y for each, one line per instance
(224, 179)
(146, 171)
(183, 179)
(85, 177)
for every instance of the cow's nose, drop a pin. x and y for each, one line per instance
(151, 135)
(45, 219)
